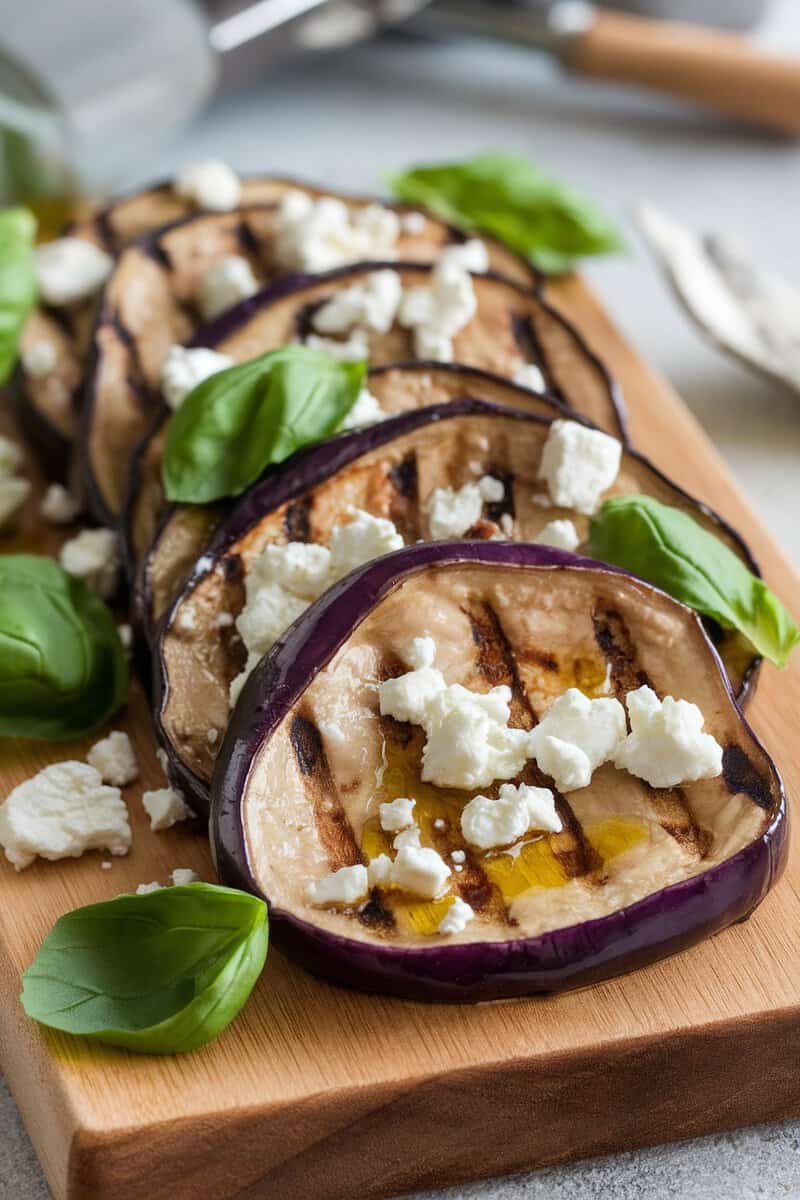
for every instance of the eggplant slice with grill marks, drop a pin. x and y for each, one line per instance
(389, 470)
(636, 873)
(150, 303)
(162, 541)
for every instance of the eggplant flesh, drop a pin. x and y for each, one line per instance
(636, 873)
(150, 303)
(389, 470)
(162, 541)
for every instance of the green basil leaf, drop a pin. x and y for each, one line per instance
(239, 421)
(161, 973)
(17, 281)
(507, 196)
(668, 548)
(63, 669)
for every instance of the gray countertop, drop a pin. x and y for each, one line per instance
(350, 119)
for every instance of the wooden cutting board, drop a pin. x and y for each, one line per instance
(320, 1094)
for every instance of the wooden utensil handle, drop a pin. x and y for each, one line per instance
(721, 70)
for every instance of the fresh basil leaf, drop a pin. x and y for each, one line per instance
(668, 548)
(507, 196)
(161, 973)
(239, 421)
(17, 281)
(63, 669)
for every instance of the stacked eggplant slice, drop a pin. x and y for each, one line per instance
(306, 636)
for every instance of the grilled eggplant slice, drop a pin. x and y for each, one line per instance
(150, 303)
(389, 470)
(636, 873)
(162, 541)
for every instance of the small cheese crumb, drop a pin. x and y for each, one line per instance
(472, 255)
(126, 637)
(114, 758)
(492, 490)
(421, 652)
(319, 234)
(61, 812)
(354, 349)
(452, 513)
(438, 312)
(458, 856)
(667, 746)
(371, 305)
(144, 889)
(360, 540)
(39, 360)
(366, 411)
(70, 269)
(106, 866)
(457, 917)
(379, 871)
(209, 184)
(93, 556)
(186, 367)
(345, 887)
(13, 495)
(440, 823)
(420, 870)
(489, 823)
(182, 876)
(578, 464)
(396, 814)
(212, 736)
(561, 534)
(59, 506)
(507, 524)
(413, 223)
(224, 284)
(10, 457)
(530, 376)
(165, 807)
(576, 736)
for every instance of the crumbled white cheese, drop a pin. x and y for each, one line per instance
(70, 269)
(319, 234)
(421, 652)
(371, 305)
(10, 457)
(224, 284)
(182, 876)
(407, 837)
(459, 856)
(59, 506)
(126, 637)
(472, 255)
(440, 823)
(61, 812)
(361, 539)
(667, 745)
(576, 736)
(366, 411)
(489, 823)
(114, 758)
(184, 368)
(224, 620)
(561, 533)
(212, 735)
(507, 524)
(39, 360)
(14, 492)
(165, 807)
(379, 871)
(438, 312)
(93, 556)
(420, 870)
(355, 349)
(407, 697)
(413, 223)
(106, 866)
(457, 917)
(209, 184)
(578, 464)
(396, 814)
(144, 889)
(492, 490)
(163, 760)
(345, 887)
(528, 375)
(452, 513)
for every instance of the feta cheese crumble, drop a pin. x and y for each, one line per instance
(396, 814)
(70, 269)
(530, 376)
(452, 513)
(345, 887)
(420, 870)
(61, 812)
(366, 411)
(355, 349)
(457, 917)
(182, 876)
(210, 184)
(319, 234)
(224, 284)
(438, 312)
(578, 464)
(667, 745)
(14, 492)
(184, 368)
(576, 736)
(361, 539)
(561, 534)
(59, 507)
(165, 807)
(114, 758)
(93, 556)
(371, 305)
(489, 823)
(39, 360)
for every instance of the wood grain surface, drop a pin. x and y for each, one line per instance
(320, 1094)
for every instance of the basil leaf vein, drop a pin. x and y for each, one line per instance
(161, 973)
(669, 548)
(63, 668)
(507, 196)
(243, 419)
(17, 281)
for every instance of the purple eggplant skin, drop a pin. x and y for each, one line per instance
(228, 323)
(661, 924)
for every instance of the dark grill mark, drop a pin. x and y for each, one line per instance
(123, 333)
(305, 317)
(742, 776)
(614, 639)
(532, 350)
(296, 523)
(247, 239)
(105, 231)
(374, 914)
(496, 509)
(539, 658)
(331, 820)
(403, 477)
(155, 249)
(233, 568)
(307, 744)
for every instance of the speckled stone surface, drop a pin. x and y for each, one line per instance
(351, 119)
